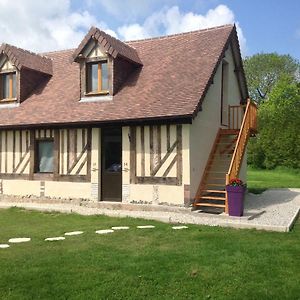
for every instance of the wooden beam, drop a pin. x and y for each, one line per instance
(13, 149)
(89, 154)
(151, 150)
(142, 151)
(168, 137)
(179, 153)
(6, 150)
(170, 166)
(157, 180)
(163, 160)
(132, 134)
(32, 156)
(56, 154)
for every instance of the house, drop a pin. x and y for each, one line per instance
(161, 120)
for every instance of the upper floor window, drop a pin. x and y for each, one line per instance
(8, 86)
(97, 78)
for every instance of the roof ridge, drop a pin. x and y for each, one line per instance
(55, 51)
(180, 33)
(114, 38)
(24, 50)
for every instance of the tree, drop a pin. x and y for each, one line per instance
(264, 70)
(278, 142)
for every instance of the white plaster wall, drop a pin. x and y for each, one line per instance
(234, 96)
(67, 190)
(21, 187)
(205, 126)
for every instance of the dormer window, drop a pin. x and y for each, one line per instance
(97, 78)
(8, 86)
(105, 65)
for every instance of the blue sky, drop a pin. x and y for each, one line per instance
(263, 26)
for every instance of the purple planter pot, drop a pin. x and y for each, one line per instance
(236, 195)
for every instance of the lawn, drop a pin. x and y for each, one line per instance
(200, 262)
(259, 180)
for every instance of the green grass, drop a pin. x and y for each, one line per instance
(259, 180)
(197, 263)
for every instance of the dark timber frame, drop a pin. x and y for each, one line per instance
(27, 146)
(155, 150)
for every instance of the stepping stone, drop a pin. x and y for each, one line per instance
(145, 226)
(179, 227)
(74, 233)
(120, 227)
(19, 240)
(4, 246)
(104, 231)
(57, 238)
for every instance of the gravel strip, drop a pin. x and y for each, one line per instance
(273, 210)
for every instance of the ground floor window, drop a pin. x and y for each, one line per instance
(44, 156)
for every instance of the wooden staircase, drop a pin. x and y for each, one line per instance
(225, 160)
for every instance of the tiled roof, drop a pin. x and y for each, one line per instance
(25, 59)
(110, 44)
(176, 73)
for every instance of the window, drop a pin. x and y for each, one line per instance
(44, 156)
(8, 86)
(97, 78)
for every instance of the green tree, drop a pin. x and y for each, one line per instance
(264, 70)
(278, 142)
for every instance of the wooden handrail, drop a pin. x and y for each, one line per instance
(248, 126)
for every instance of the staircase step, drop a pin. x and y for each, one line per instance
(232, 142)
(212, 198)
(215, 184)
(214, 191)
(217, 178)
(230, 132)
(210, 204)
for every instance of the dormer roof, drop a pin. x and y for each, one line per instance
(21, 58)
(109, 44)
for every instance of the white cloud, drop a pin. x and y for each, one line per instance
(53, 25)
(44, 25)
(172, 20)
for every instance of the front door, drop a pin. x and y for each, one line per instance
(111, 164)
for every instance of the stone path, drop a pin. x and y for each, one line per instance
(72, 233)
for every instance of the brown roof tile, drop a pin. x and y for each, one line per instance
(23, 58)
(176, 73)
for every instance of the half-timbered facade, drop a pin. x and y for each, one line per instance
(163, 120)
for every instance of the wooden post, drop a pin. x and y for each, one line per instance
(31, 150)
(56, 155)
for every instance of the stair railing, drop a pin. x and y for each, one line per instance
(208, 166)
(248, 126)
(235, 116)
